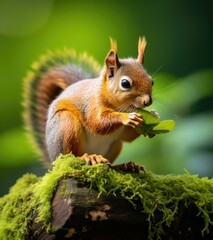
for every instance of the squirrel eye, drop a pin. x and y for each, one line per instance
(125, 84)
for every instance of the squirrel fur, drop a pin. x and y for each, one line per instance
(73, 106)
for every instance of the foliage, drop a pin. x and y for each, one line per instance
(176, 45)
(152, 124)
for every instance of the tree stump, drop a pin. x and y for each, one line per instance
(82, 214)
(80, 202)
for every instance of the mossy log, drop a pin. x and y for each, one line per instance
(77, 201)
(82, 214)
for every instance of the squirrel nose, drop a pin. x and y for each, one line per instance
(147, 100)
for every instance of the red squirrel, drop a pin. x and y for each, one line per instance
(70, 108)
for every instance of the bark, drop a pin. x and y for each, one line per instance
(79, 213)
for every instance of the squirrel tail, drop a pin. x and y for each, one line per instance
(44, 82)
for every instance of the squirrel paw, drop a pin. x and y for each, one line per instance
(155, 113)
(134, 120)
(129, 167)
(93, 159)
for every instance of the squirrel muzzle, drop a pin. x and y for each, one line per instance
(143, 101)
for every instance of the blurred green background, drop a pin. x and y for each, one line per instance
(178, 56)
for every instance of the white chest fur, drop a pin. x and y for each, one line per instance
(100, 144)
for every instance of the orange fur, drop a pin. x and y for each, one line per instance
(96, 115)
(66, 105)
(129, 134)
(114, 151)
(70, 124)
(113, 44)
(141, 48)
(105, 121)
(71, 127)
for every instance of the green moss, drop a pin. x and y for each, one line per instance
(16, 208)
(150, 192)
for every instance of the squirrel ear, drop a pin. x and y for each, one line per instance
(141, 48)
(112, 61)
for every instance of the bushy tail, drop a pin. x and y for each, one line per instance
(46, 79)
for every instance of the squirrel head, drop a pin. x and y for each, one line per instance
(127, 86)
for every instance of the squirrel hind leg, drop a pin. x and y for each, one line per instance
(63, 134)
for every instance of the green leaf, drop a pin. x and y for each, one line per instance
(164, 126)
(152, 124)
(148, 117)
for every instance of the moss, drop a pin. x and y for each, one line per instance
(150, 192)
(16, 208)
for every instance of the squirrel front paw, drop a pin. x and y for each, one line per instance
(93, 159)
(133, 119)
(155, 113)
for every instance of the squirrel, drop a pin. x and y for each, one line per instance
(73, 107)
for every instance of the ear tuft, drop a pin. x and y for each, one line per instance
(112, 61)
(113, 44)
(141, 48)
